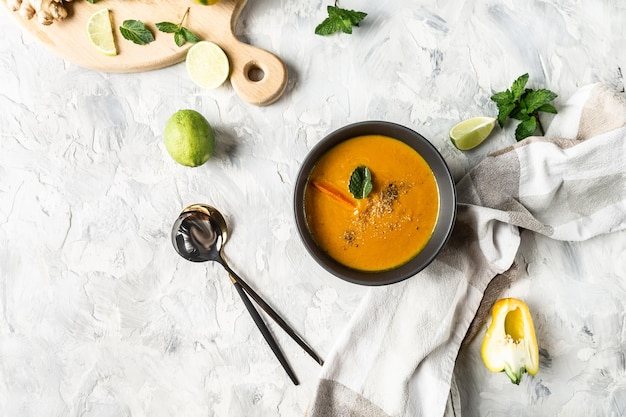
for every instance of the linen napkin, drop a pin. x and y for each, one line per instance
(397, 354)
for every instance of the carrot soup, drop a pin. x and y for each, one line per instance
(392, 224)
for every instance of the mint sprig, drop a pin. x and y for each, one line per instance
(360, 182)
(339, 20)
(524, 104)
(181, 33)
(136, 32)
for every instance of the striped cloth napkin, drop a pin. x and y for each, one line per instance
(396, 357)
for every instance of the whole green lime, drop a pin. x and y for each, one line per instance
(189, 138)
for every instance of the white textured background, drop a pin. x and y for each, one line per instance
(100, 317)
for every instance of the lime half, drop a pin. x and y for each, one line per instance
(207, 64)
(100, 32)
(470, 133)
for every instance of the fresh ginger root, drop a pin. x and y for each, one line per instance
(47, 11)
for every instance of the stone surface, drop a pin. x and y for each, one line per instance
(100, 317)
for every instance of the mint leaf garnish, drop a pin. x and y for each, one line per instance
(189, 35)
(339, 20)
(535, 99)
(360, 182)
(526, 128)
(136, 31)
(517, 89)
(167, 27)
(524, 104)
(181, 33)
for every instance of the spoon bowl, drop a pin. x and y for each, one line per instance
(199, 234)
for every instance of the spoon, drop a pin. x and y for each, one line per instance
(199, 235)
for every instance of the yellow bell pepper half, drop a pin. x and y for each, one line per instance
(510, 344)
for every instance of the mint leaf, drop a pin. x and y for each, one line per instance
(339, 20)
(189, 35)
(503, 97)
(535, 99)
(328, 27)
(517, 89)
(506, 104)
(360, 182)
(523, 104)
(181, 33)
(547, 108)
(179, 38)
(136, 31)
(504, 110)
(526, 128)
(520, 113)
(167, 27)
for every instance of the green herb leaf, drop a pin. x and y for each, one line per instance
(517, 89)
(360, 182)
(339, 20)
(520, 113)
(526, 128)
(547, 108)
(328, 27)
(189, 35)
(523, 104)
(504, 110)
(535, 99)
(179, 38)
(503, 97)
(92, 1)
(181, 33)
(136, 31)
(167, 27)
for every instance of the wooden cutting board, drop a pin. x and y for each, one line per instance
(258, 76)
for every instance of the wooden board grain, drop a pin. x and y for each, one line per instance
(68, 39)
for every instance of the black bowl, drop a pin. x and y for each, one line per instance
(447, 205)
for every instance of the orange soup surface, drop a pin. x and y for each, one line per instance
(392, 224)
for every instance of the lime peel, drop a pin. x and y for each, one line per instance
(470, 133)
(189, 138)
(100, 32)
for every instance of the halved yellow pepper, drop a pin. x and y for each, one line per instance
(510, 344)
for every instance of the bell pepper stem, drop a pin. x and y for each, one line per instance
(515, 375)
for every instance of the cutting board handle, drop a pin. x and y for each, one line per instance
(257, 76)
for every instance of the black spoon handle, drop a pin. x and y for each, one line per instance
(274, 315)
(265, 332)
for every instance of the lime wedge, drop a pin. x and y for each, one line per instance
(470, 133)
(207, 64)
(100, 32)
